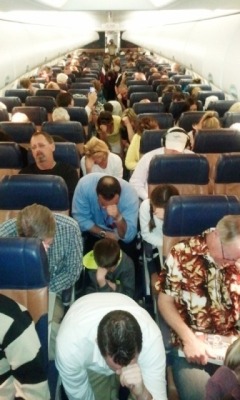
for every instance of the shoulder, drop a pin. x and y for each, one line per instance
(145, 205)
(65, 221)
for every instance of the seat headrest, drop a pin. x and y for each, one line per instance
(191, 215)
(23, 263)
(217, 141)
(19, 191)
(174, 168)
(228, 169)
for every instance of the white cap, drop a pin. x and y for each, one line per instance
(60, 114)
(176, 139)
(62, 78)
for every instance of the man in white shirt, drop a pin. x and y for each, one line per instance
(176, 141)
(109, 337)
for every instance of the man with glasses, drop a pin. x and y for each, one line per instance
(200, 291)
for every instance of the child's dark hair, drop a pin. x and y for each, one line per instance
(159, 198)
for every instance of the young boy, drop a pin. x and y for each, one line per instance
(108, 269)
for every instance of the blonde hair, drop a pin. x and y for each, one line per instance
(235, 107)
(232, 357)
(228, 228)
(95, 145)
(130, 113)
(60, 114)
(36, 221)
(53, 85)
(209, 121)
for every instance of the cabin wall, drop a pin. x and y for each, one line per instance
(25, 47)
(210, 48)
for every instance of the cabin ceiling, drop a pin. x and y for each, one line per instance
(114, 14)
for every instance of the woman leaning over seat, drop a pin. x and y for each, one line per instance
(98, 158)
(133, 152)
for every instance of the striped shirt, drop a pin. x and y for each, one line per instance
(21, 371)
(64, 255)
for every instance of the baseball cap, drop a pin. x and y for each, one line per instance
(176, 139)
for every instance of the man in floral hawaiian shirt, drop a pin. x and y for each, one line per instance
(200, 291)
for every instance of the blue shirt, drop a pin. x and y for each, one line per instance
(88, 212)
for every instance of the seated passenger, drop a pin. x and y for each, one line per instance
(109, 269)
(151, 215)
(128, 127)
(26, 83)
(225, 382)
(133, 152)
(105, 207)
(176, 141)
(19, 117)
(62, 241)
(42, 147)
(109, 130)
(22, 373)
(199, 291)
(60, 114)
(106, 339)
(98, 158)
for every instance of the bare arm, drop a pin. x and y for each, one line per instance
(194, 349)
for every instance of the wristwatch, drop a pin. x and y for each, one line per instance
(102, 234)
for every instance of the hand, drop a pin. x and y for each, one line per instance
(112, 211)
(197, 351)
(92, 98)
(112, 285)
(131, 377)
(119, 97)
(111, 235)
(126, 121)
(103, 128)
(101, 276)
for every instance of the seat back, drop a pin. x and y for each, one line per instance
(11, 160)
(83, 92)
(80, 101)
(213, 142)
(71, 131)
(139, 88)
(64, 152)
(136, 97)
(133, 82)
(11, 102)
(21, 93)
(230, 118)
(20, 132)
(151, 140)
(188, 172)
(19, 191)
(152, 107)
(194, 214)
(165, 120)
(227, 175)
(48, 92)
(78, 114)
(177, 77)
(201, 86)
(203, 94)
(35, 114)
(189, 118)
(220, 106)
(4, 115)
(47, 102)
(24, 278)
